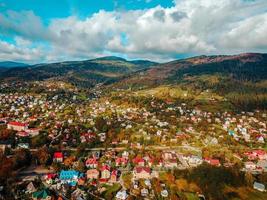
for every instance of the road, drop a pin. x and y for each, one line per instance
(153, 147)
(33, 171)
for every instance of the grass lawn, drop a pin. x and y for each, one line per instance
(191, 196)
(256, 195)
(111, 190)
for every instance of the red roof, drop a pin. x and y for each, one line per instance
(51, 176)
(138, 160)
(91, 161)
(214, 162)
(114, 172)
(58, 155)
(93, 183)
(121, 160)
(140, 169)
(211, 161)
(105, 167)
(253, 154)
(259, 152)
(17, 124)
(23, 134)
(103, 180)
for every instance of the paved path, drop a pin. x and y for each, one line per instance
(153, 147)
(33, 171)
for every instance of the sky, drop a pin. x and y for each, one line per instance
(34, 31)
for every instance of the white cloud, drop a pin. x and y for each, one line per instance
(189, 27)
(15, 52)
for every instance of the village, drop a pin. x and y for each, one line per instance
(101, 148)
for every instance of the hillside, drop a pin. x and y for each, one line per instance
(10, 64)
(241, 67)
(241, 79)
(81, 73)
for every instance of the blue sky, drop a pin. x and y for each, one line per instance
(35, 31)
(49, 9)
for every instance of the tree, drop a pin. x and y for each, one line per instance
(43, 156)
(182, 184)
(101, 124)
(22, 158)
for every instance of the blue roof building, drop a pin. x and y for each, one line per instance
(231, 133)
(68, 175)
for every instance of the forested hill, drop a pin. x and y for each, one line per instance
(80, 73)
(243, 67)
(10, 64)
(241, 79)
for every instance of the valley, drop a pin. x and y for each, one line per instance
(109, 128)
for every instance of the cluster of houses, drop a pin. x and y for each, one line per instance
(256, 161)
(153, 126)
(71, 124)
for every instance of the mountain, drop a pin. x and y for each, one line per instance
(9, 64)
(81, 73)
(243, 67)
(239, 81)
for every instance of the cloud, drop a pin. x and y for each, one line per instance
(189, 27)
(19, 53)
(25, 24)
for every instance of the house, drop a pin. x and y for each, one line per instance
(58, 157)
(121, 195)
(33, 131)
(114, 176)
(102, 137)
(105, 172)
(262, 155)
(3, 148)
(121, 161)
(256, 154)
(23, 145)
(171, 163)
(91, 162)
(259, 187)
(23, 134)
(78, 194)
(168, 155)
(139, 161)
(92, 174)
(142, 173)
(148, 183)
(213, 162)
(125, 154)
(194, 161)
(151, 161)
(49, 178)
(262, 164)
(250, 165)
(87, 137)
(81, 181)
(144, 192)
(164, 193)
(69, 177)
(30, 188)
(17, 126)
(43, 194)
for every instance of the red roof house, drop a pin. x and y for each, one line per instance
(213, 162)
(139, 161)
(17, 126)
(58, 157)
(105, 172)
(142, 172)
(91, 162)
(114, 176)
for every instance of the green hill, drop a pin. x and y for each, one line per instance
(81, 73)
